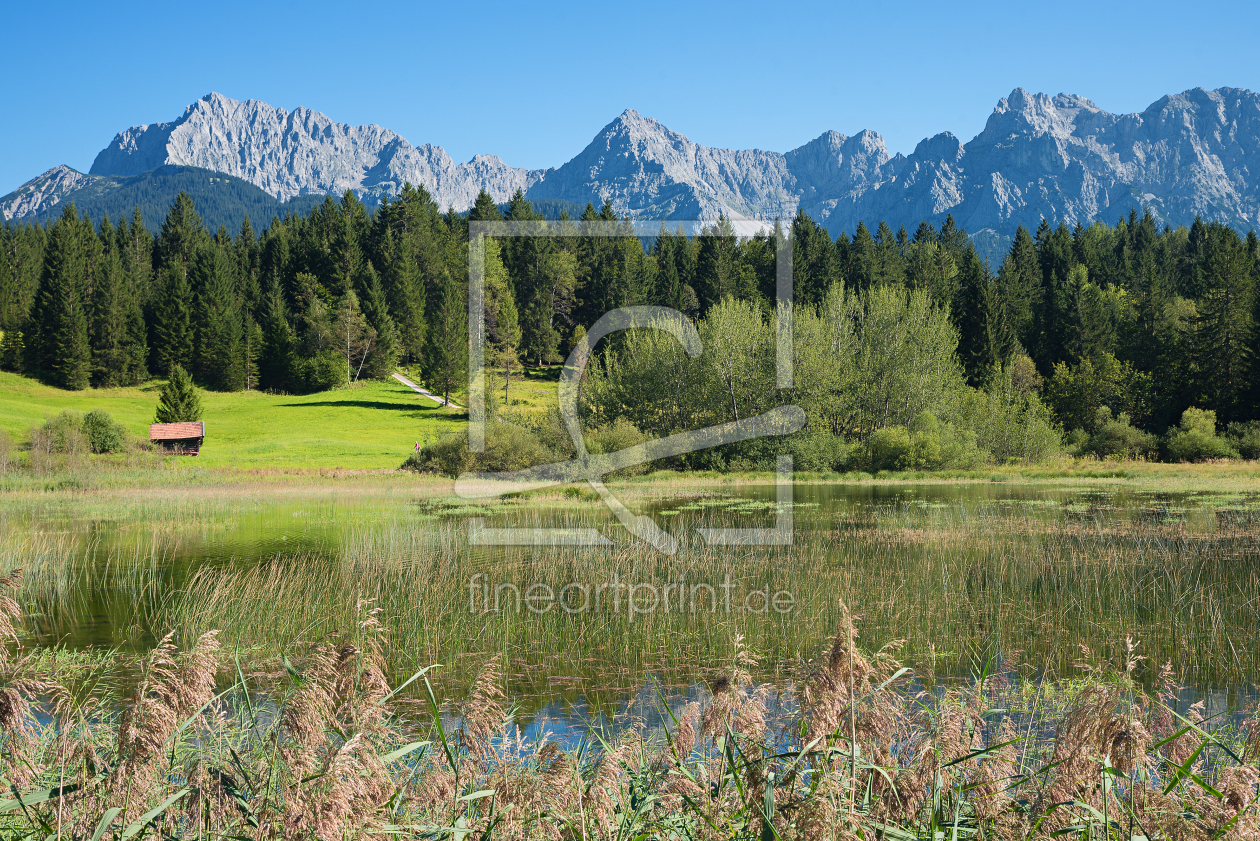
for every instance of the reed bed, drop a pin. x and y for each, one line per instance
(958, 582)
(323, 747)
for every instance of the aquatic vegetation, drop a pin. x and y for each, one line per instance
(323, 747)
(956, 571)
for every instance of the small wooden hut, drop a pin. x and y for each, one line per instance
(179, 438)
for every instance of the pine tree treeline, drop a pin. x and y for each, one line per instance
(1140, 320)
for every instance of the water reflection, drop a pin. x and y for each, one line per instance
(109, 570)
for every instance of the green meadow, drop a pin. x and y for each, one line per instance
(368, 426)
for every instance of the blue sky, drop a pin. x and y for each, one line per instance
(533, 83)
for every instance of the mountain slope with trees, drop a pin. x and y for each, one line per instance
(222, 200)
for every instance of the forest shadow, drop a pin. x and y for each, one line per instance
(373, 404)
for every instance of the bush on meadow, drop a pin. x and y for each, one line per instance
(1195, 439)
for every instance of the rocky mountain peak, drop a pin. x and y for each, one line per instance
(871, 142)
(629, 117)
(1059, 157)
(302, 152)
(42, 192)
(1022, 113)
(217, 102)
(941, 147)
(632, 130)
(1065, 101)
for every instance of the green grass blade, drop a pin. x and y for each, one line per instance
(987, 750)
(477, 795)
(106, 820)
(409, 681)
(437, 722)
(249, 705)
(37, 797)
(154, 813)
(395, 755)
(41, 796)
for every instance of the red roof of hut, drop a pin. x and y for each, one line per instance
(177, 431)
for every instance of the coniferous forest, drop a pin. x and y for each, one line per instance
(1111, 335)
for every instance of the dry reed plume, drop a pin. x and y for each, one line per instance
(326, 750)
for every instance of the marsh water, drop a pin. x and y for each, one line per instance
(966, 574)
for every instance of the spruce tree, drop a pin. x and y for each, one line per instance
(1151, 289)
(179, 401)
(639, 274)
(71, 353)
(484, 209)
(183, 233)
(888, 256)
(385, 350)
(422, 250)
(953, 238)
(930, 267)
(245, 253)
(669, 284)
(136, 249)
(717, 264)
(251, 351)
(446, 355)
(219, 323)
(925, 232)
(1054, 255)
(522, 255)
(316, 324)
(1223, 325)
(1084, 321)
(346, 251)
(353, 335)
(1020, 282)
(403, 285)
(974, 317)
(59, 344)
(863, 261)
(590, 253)
(119, 350)
(172, 328)
(1251, 397)
(553, 304)
(503, 330)
(528, 260)
(21, 264)
(275, 368)
(814, 260)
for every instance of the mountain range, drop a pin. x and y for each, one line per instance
(1059, 157)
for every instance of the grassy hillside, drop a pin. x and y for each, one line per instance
(373, 425)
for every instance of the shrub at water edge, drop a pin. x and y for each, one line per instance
(1196, 439)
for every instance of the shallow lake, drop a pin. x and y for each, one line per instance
(970, 576)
